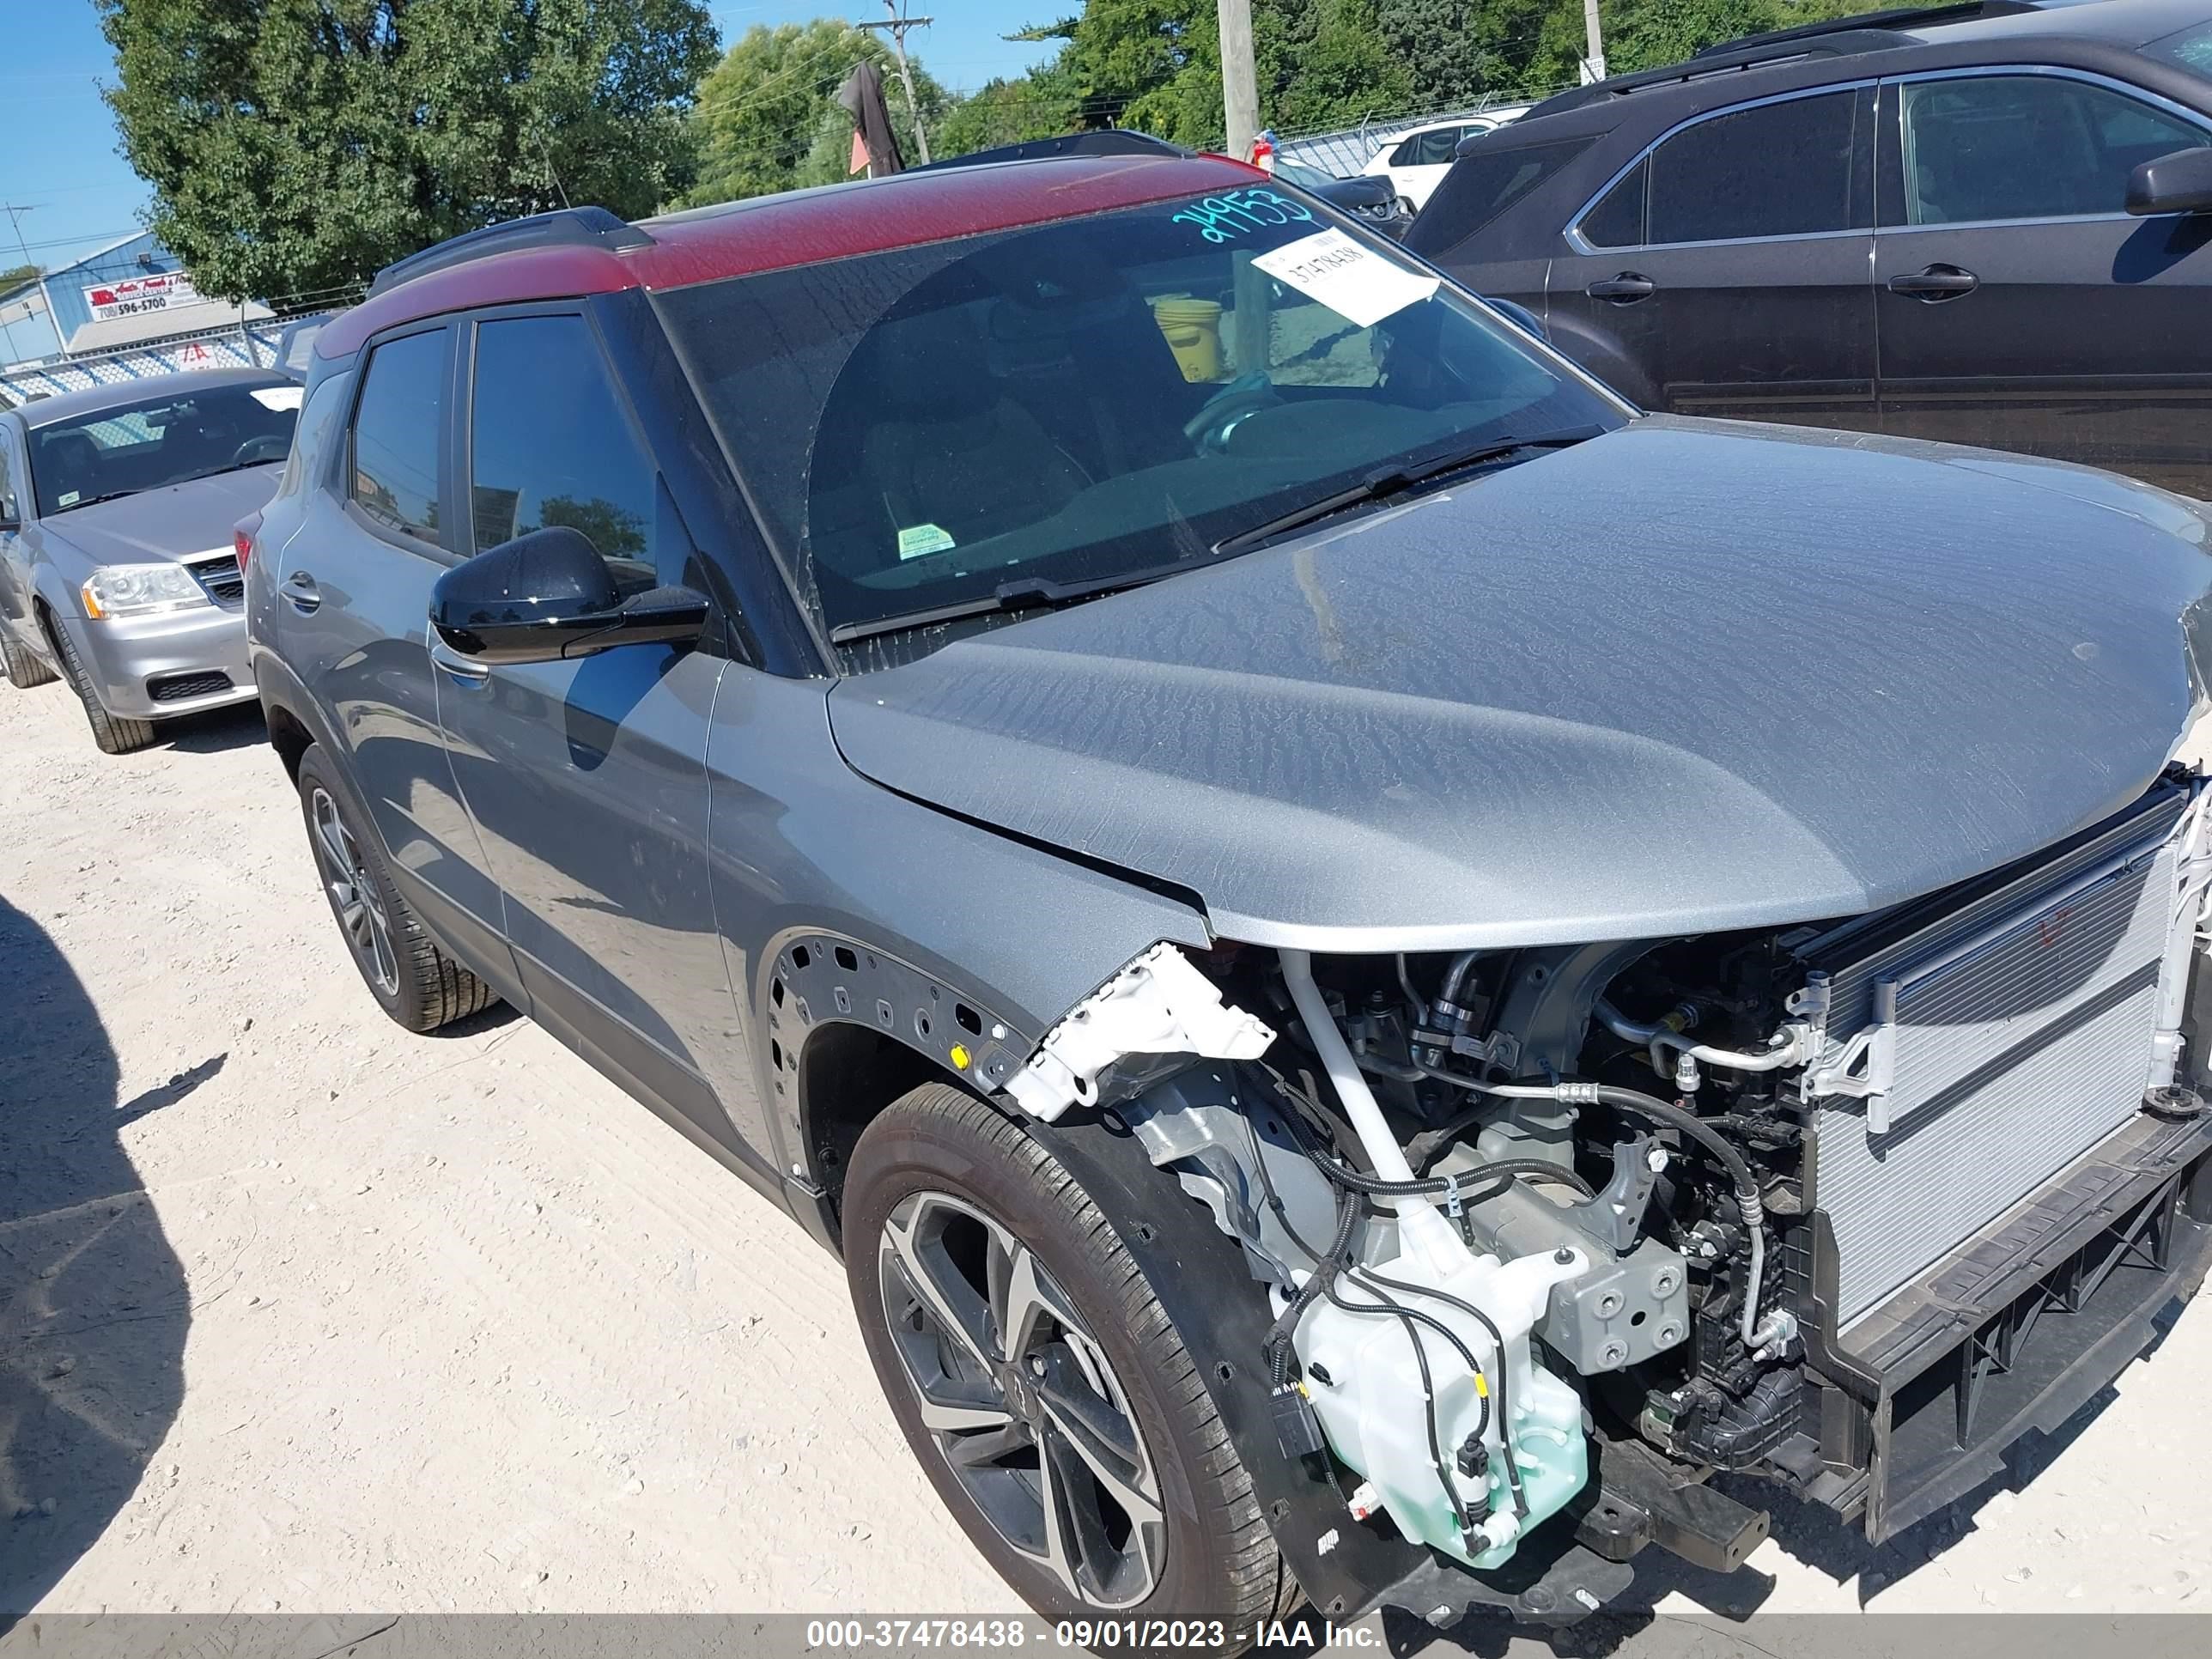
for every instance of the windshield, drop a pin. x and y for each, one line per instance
(1068, 403)
(160, 440)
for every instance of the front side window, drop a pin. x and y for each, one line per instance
(156, 440)
(7, 512)
(1437, 149)
(1982, 148)
(396, 434)
(1780, 169)
(549, 444)
(1073, 402)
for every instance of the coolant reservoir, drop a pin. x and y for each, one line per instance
(1373, 1412)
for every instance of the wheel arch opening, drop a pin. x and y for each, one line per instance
(288, 736)
(848, 1074)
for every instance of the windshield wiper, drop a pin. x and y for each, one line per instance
(94, 500)
(1397, 479)
(1022, 594)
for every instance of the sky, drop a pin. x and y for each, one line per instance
(59, 157)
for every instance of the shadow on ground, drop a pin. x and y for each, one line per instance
(238, 727)
(93, 1302)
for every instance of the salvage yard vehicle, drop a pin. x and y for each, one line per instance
(1413, 163)
(118, 570)
(1376, 963)
(1981, 223)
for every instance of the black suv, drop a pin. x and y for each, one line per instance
(1981, 223)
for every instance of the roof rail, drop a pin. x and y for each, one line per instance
(1898, 17)
(583, 226)
(1840, 37)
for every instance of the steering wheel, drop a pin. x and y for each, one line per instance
(1219, 415)
(267, 447)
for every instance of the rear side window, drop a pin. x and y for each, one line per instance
(549, 444)
(1488, 179)
(7, 512)
(2026, 147)
(1617, 219)
(1782, 169)
(396, 434)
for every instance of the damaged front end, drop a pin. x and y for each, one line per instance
(1525, 1244)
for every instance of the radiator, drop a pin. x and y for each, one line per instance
(2011, 1023)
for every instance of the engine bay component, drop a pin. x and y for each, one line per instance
(1628, 1308)
(1158, 1005)
(1516, 1445)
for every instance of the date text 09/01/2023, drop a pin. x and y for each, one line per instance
(1078, 1634)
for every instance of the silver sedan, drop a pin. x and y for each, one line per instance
(119, 567)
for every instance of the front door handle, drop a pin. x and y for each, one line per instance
(301, 591)
(1934, 283)
(1623, 290)
(453, 662)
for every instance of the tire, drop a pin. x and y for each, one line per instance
(412, 980)
(939, 1184)
(24, 669)
(115, 736)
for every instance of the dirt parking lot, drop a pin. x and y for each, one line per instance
(301, 1313)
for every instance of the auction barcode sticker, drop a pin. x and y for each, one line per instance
(1359, 285)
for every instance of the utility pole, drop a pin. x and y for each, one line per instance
(1240, 82)
(15, 222)
(1592, 65)
(897, 28)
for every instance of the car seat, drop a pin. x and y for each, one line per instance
(69, 466)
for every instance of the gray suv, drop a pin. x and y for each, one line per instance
(1377, 964)
(118, 555)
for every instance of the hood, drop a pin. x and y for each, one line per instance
(1685, 677)
(176, 521)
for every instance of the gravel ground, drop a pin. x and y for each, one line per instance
(298, 1312)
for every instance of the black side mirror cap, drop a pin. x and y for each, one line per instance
(548, 595)
(2179, 183)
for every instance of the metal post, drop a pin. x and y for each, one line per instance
(1240, 81)
(15, 220)
(1595, 63)
(897, 28)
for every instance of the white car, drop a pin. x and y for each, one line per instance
(1416, 162)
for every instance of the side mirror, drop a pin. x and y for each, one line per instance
(1521, 317)
(2179, 183)
(548, 596)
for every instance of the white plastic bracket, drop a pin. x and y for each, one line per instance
(1158, 1005)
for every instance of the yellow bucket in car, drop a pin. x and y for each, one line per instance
(1193, 328)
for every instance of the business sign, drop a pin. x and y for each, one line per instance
(139, 295)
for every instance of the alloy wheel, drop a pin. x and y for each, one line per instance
(1020, 1398)
(353, 894)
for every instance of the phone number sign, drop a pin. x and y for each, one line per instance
(139, 295)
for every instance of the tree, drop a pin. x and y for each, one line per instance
(767, 117)
(15, 276)
(297, 145)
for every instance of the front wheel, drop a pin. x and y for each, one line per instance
(112, 733)
(1033, 1371)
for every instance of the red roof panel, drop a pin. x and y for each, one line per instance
(772, 232)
